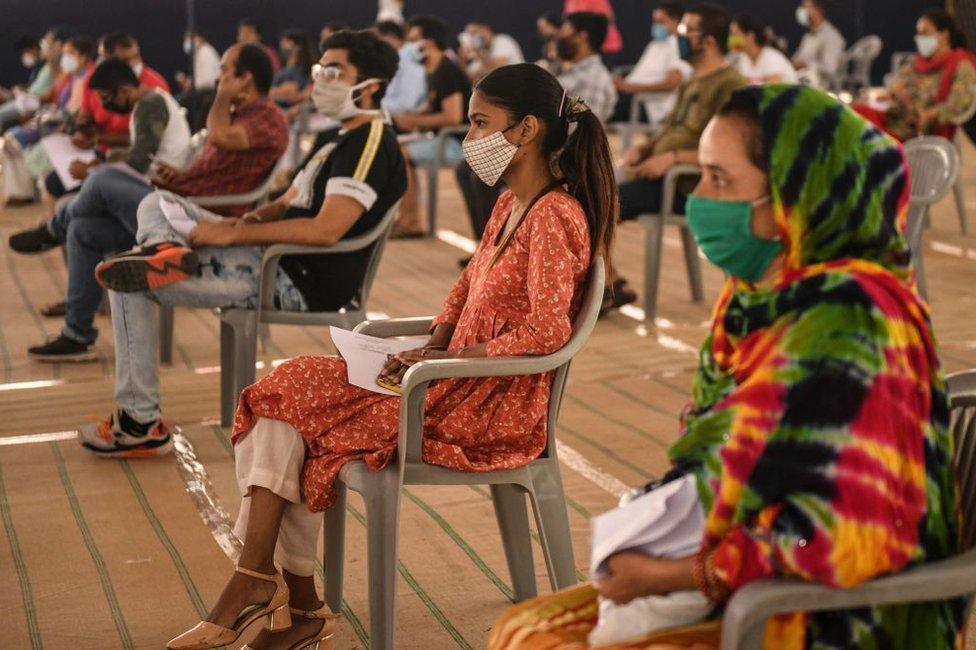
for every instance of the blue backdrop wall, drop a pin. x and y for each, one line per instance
(158, 24)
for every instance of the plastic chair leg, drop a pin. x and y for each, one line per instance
(166, 321)
(264, 335)
(513, 522)
(432, 200)
(693, 264)
(382, 500)
(238, 353)
(653, 241)
(549, 503)
(335, 547)
(920, 276)
(959, 191)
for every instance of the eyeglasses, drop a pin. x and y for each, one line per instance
(326, 73)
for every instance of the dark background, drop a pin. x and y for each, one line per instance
(158, 24)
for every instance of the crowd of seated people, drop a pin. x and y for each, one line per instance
(821, 343)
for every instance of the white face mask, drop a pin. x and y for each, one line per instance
(803, 16)
(927, 45)
(333, 98)
(137, 68)
(187, 45)
(489, 156)
(69, 63)
(28, 60)
(44, 47)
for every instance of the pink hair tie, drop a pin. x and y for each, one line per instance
(562, 105)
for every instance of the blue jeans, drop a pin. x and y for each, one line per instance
(228, 277)
(99, 221)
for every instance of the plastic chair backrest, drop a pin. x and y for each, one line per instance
(861, 56)
(582, 328)
(962, 424)
(934, 164)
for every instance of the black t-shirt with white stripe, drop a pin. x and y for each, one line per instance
(366, 165)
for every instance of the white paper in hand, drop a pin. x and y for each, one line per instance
(61, 152)
(366, 355)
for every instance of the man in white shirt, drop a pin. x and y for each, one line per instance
(822, 47)
(206, 63)
(581, 38)
(756, 60)
(482, 50)
(660, 69)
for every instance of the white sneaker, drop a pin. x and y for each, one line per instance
(108, 439)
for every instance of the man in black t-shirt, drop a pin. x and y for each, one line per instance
(343, 191)
(448, 93)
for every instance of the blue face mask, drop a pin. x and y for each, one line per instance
(659, 32)
(412, 51)
(723, 230)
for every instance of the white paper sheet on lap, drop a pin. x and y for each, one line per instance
(61, 152)
(366, 355)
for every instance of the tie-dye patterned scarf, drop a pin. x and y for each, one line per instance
(818, 427)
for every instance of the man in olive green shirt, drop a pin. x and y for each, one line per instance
(703, 41)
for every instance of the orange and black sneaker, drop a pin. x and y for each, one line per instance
(147, 267)
(119, 436)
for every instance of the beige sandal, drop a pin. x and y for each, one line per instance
(325, 634)
(206, 635)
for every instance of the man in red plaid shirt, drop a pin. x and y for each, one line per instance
(246, 135)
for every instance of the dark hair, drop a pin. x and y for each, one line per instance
(822, 5)
(84, 45)
(592, 24)
(25, 42)
(306, 51)
(944, 22)
(751, 24)
(743, 106)
(112, 73)
(252, 58)
(253, 24)
(554, 18)
(715, 22)
(389, 28)
(61, 33)
(114, 41)
(481, 22)
(674, 9)
(373, 57)
(583, 156)
(433, 28)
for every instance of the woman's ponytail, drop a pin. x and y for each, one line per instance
(586, 167)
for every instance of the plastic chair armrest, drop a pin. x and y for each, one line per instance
(392, 327)
(755, 603)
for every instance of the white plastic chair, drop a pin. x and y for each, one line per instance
(743, 624)
(898, 59)
(434, 168)
(540, 479)
(854, 70)
(239, 327)
(934, 164)
(654, 241)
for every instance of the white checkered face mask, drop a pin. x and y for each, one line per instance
(489, 156)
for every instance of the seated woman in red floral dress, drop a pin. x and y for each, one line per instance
(298, 426)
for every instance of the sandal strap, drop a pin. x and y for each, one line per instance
(323, 612)
(255, 574)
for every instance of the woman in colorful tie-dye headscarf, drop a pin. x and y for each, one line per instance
(818, 426)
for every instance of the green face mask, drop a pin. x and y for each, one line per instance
(723, 230)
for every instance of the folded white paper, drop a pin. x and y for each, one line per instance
(667, 522)
(366, 355)
(61, 152)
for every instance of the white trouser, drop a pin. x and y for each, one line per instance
(271, 456)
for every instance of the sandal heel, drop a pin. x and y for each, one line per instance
(279, 619)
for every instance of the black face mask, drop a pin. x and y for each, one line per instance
(566, 49)
(115, 107)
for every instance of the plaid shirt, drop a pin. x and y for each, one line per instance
(591, 80)
(220, 171)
